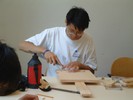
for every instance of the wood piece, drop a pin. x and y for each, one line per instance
(128, 80)
(129, 84)
(45, 95)
(79, 76)
(83, 89)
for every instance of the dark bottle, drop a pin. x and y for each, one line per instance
(34, 72)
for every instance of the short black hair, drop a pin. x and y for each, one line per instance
(78, 17)
(10, 69)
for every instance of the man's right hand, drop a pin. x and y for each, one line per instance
(52, 58)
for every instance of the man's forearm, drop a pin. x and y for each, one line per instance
(82, 66)
(30, 47)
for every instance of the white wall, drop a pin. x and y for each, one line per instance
(111, 25)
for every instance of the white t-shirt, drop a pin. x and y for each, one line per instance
(67, 50)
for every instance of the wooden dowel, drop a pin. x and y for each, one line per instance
(45, 95)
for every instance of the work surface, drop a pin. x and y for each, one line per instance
(99, 92)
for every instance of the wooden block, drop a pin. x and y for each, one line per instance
(129, 84)
(83, 89)
(79, 76)
(128, 80)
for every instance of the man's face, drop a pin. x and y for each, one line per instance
(73, 32)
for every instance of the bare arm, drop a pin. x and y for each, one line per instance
(30, 47)
(82, 66)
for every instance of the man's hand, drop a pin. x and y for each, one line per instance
(52, 58)
(72, 66)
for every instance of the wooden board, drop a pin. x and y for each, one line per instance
(83, 89)
(79, 76)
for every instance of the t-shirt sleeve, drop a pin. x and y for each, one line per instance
(90, 57)
(39, 39)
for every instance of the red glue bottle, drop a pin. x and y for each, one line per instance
(34, 72)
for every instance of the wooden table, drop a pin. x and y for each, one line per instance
(98, 92)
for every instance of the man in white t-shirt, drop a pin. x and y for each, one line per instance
(67, 47)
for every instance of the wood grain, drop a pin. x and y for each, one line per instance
(79, 76)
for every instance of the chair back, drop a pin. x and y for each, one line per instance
(122, 67)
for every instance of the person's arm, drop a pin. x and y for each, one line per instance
(82, 66)
(31, 48)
